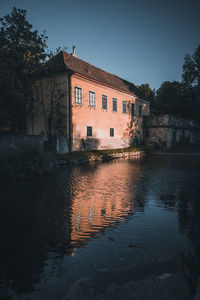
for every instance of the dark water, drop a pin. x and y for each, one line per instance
(110, 222)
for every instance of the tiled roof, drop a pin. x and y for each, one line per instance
(76, 65)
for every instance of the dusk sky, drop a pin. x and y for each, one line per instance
(142, 41)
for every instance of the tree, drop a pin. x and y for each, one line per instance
(191, 69)
(147, 94)
(21, 52)
(191, 82)
(170, 99)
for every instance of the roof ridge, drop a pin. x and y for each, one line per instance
(79, 66)
(98, 68)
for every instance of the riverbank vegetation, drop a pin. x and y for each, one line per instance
(98, 155)
(27, 162)
(24, 162)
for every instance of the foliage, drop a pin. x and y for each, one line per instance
(191, 81)
(96, 154)
(191, 69)
(170, 99)
(146, 92)
(21, 52)
(182, 98)
(23, 162)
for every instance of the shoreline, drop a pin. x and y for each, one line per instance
(160, 153)
(96, 156)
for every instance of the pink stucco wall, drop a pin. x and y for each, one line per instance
(102, 120)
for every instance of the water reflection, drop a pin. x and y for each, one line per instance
(33, 225)
(102, 198)
(44, 221)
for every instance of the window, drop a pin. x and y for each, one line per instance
(92, 99)
(132, 109)
(78, 95)
(140, 111)
(89, 130)
(104, 102)
(114, 102)
(124, 107)
(111, 131)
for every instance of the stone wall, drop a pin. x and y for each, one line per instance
(14, 142)
(167, 131)
(34, 142)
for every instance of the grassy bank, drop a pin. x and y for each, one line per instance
(27, 162)
(97, 155)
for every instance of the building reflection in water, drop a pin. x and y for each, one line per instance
(102, 198)
(49, 218)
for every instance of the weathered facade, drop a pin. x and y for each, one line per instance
(91, 108)
(167, 131)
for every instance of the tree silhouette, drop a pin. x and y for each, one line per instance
(21, 52)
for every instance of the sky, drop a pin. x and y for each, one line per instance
(142, 41)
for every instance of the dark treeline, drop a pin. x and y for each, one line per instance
(178, 98)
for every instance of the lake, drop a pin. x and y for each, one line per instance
(102, 228)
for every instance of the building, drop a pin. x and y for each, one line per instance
(86, 106)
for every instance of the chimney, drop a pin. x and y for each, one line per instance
(74, 51)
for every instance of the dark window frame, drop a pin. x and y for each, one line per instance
(89, 131)
(104, 105)
(112, 132)
(124, 107)
(140, 110)
(133, 109)
(114, 104)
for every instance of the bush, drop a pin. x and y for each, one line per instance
(23, 162)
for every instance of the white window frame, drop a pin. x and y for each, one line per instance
(77, 95)
(92, 98)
